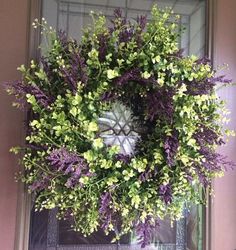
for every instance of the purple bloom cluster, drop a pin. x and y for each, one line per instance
(106, 210)
(36, 147)
(141, 21)
(133, 74)
(160, 104)
(62, 36)
(130, 75)
(147, 174)
(77, 72)
(119, 21)
(126, 34)
(124, 158)
(145, 231)
(204, 60)
(47, 68)
(165, 193)
(118, 13)
(171, 145)
(127, 29)
(103, 46)
(41, 97)
(20, 89)
(214, 161)
(70, 164)
(40, 183)
(203, 179)
(108, 96)
(206, 136)
(204, 87)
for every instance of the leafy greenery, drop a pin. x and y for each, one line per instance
(68, 165)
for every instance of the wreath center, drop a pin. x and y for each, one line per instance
(118, 127)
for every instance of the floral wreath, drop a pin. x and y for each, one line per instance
(172, 99)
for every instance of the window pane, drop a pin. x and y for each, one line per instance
(72, 15)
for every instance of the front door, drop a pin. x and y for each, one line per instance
(47, 233)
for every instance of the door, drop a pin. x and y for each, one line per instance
(46, 231)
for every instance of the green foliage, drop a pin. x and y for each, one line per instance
(69, 120)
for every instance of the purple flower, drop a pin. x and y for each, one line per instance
(160, 104)
(76, 72)
(220, 79)
(171, 145)
(106, 210)
(165, 193)
(127, 76)
(146, 175)
(117, 13)
(145, 231)
(108, 96)
(203, 60)
(142, 21)
(41, 183)
(214, 161)
(70, 164)
(124, 158)
(203, 179)
(103, 46)
(41, 97)
(20, 89)
(189, 175)
(36, 147)
(205, 86)
(127, 30)
(205, 136)
(126, 34)
(74, 179)
(62, 36)
(47, 68)
(132, 75)
(118, 21)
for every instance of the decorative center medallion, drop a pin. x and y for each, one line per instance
(118, 127)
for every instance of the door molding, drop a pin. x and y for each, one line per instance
(210, 52)
(24, 200)
(34, 10)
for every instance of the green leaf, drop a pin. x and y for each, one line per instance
(112, 73)
(73, 111)
(98, 143)
(92, 127)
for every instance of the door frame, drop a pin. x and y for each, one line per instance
(24, 200)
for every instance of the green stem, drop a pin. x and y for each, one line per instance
(53, 142)
(225, 85)
(40, 167)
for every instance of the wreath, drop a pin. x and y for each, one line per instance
(174, 111)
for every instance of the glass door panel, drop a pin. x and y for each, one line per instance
(47, 233)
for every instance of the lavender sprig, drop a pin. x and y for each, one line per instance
(70, 164)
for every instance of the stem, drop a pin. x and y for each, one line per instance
(226, 85)
(53, 142)
(40, 167)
